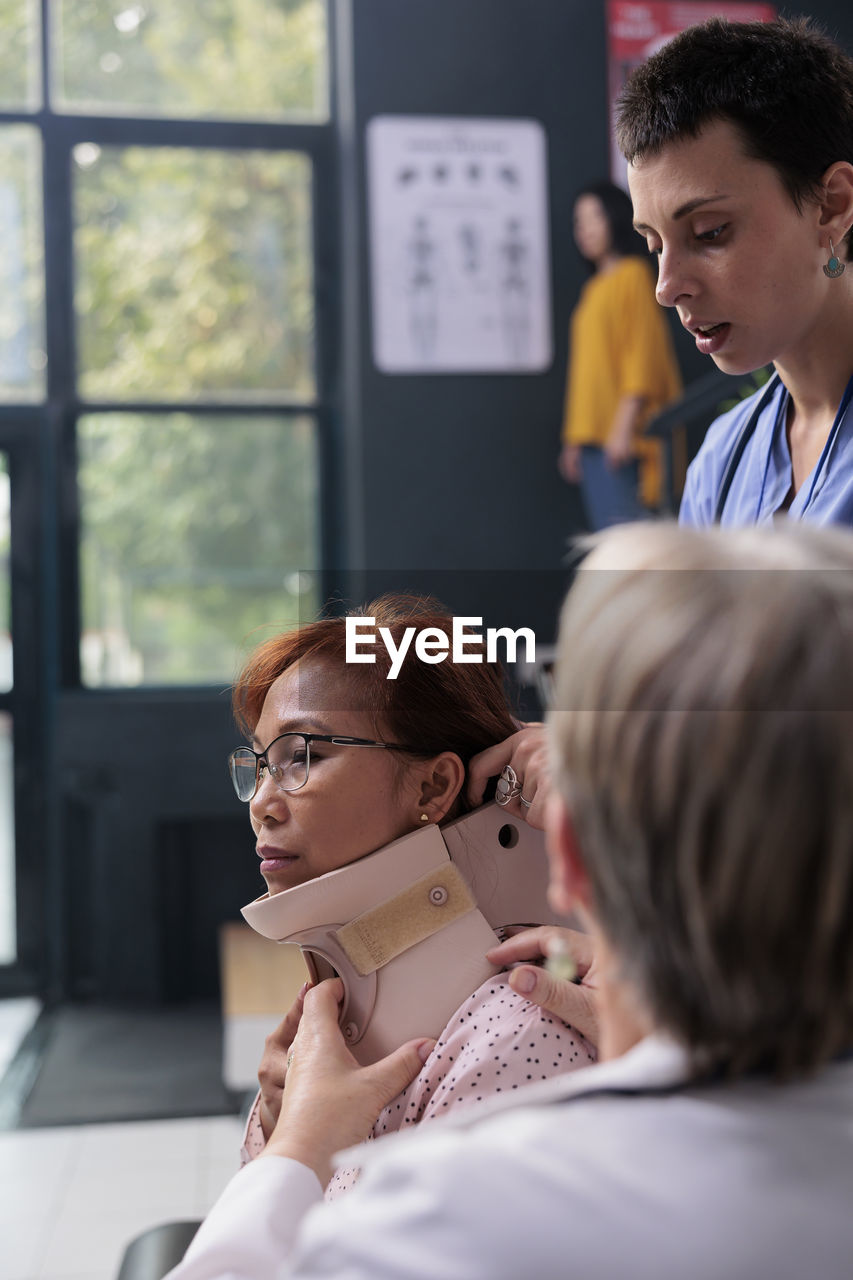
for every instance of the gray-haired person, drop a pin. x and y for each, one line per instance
(701, 823)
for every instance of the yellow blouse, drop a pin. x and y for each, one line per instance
(620, 345)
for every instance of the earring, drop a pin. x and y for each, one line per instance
(834, 268)
(424, 817)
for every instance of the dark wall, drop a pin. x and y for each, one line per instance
(156, 848)
(459, 471)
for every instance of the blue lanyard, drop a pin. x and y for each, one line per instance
(830, 441)
(747, 431)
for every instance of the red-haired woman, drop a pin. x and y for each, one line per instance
(317, 804)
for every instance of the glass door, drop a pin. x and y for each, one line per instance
(24, 756)
(8, 913)
(166, 423)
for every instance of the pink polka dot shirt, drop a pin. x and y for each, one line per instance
(495, 1042)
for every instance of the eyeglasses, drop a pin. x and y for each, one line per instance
(287, 760)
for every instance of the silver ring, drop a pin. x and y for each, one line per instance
(508, 785)
(289, 1059)
(526, 803)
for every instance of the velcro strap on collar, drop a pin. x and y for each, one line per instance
(424, 908)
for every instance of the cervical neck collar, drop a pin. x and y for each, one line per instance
(406, 928)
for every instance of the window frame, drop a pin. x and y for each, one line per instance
(64, 134)
(40, 440)
(26, 701)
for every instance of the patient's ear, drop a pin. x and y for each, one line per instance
(569, 887)
(441, 781)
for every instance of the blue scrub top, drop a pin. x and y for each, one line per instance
(763, 476)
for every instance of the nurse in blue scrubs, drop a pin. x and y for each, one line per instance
(739, 141)
(739, 138)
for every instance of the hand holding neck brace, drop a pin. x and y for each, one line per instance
(406, 928)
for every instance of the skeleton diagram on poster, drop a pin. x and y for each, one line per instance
(460, 264)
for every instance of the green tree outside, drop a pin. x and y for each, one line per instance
(20, 55)
(197, 530)
(193, 273)
(193, 282)
(240, 59)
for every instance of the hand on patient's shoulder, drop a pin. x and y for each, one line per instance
(576, 1001)
(330, 1102)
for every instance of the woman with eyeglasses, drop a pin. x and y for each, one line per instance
(343, 760)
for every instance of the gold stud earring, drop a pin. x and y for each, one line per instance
(424, 817)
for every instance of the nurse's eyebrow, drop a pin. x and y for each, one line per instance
(683, 209)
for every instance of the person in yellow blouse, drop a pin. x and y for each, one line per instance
(622, 367)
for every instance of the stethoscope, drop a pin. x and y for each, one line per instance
(747, 431)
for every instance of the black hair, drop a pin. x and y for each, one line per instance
(785, 85)
(619, 212)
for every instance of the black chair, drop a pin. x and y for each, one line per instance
(153, 1253)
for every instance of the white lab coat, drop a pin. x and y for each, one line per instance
(611, 1172)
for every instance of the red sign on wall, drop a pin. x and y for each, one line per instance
(636, 30)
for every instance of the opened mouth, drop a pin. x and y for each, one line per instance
(707, 330)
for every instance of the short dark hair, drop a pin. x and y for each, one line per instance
(784, 84)
(619, 212)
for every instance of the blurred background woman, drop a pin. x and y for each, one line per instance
(622, 367)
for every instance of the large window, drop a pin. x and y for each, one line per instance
(194, 282)
(166, 185)
(193, 273)
(195, 529)
(194, 380)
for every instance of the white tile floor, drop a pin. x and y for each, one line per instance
(72, 1198)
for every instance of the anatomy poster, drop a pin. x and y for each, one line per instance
(636, 30)
(460, 263)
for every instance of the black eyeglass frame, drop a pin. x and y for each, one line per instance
(337, 739)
